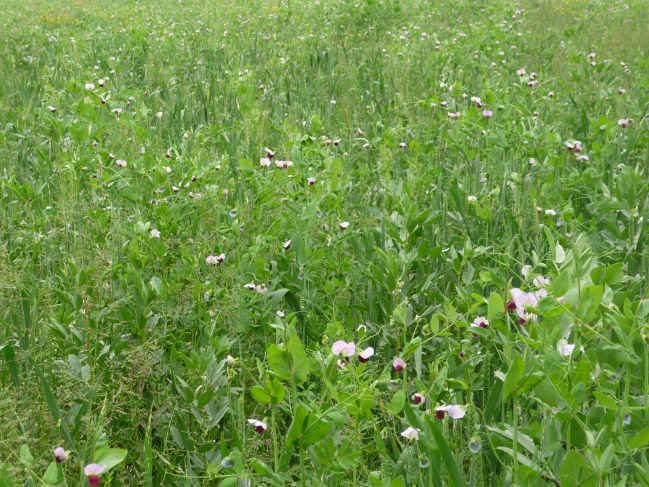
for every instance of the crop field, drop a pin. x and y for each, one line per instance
(391, 243)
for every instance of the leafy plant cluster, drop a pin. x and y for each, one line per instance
(371, 243)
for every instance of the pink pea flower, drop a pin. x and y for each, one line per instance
(623, 122)
(454, 411)
(410, 433)
(260, 426)
(418, 398)
(399, 364)
(92, 471)
(60, 454)
(344, 348)
(487, 114)
(365, 355)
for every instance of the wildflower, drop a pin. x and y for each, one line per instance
(333, 102)
(359, 132)
(94, 143)
(402, 145)
(365, 355)
(101, 82)
(60, 454)
(479, 322)
(592, 55)
(477, 101)
(487, 114)
(532, 162)
(582, 158)
(621, 91)
(159, 115)
(211, 259)
(344, 348)
(220, 258)
(155, 233)
(566, 348)
(250, 286)
(121, 163)
(336, 142)
(287, 245)
(341, 365)
(399, 364)
(175, 189)
(410, 433)
(260, 426)
(311, 181)
(454, 411)
(418, 398)
(269, 153)
(344, 225)
(521, 299)
(520, 72)
(264, 162)
(550, 212)
(261, 289)
(472, 199)
(92, 471)
(227, 462)
(621, 122)
(90, 86)
(230, 360)
(167, 155)
(551, 94)
(52, 109)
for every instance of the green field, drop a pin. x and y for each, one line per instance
(328, 243)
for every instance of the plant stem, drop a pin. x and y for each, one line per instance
(515, 414)
(356, 428)
(272, 413)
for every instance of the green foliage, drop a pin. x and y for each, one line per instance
(199, 199)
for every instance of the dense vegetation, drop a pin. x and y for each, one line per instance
(331, 243)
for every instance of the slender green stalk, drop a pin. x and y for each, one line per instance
(274, 430)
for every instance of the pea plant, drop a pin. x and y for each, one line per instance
(329, 243)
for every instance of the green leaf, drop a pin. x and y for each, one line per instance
(606, 401)
(260, 394)
(51, 476)
(205, 398)
(292, 362)
(494, 400)
(306, 426)
(640, 439)
(528, 381)
(496, 308)
(398, 400)
(513, 376)
(111, 457)
(229, 482)
(26, 457)
(447, 457)
(575, 471)
(52, 404)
